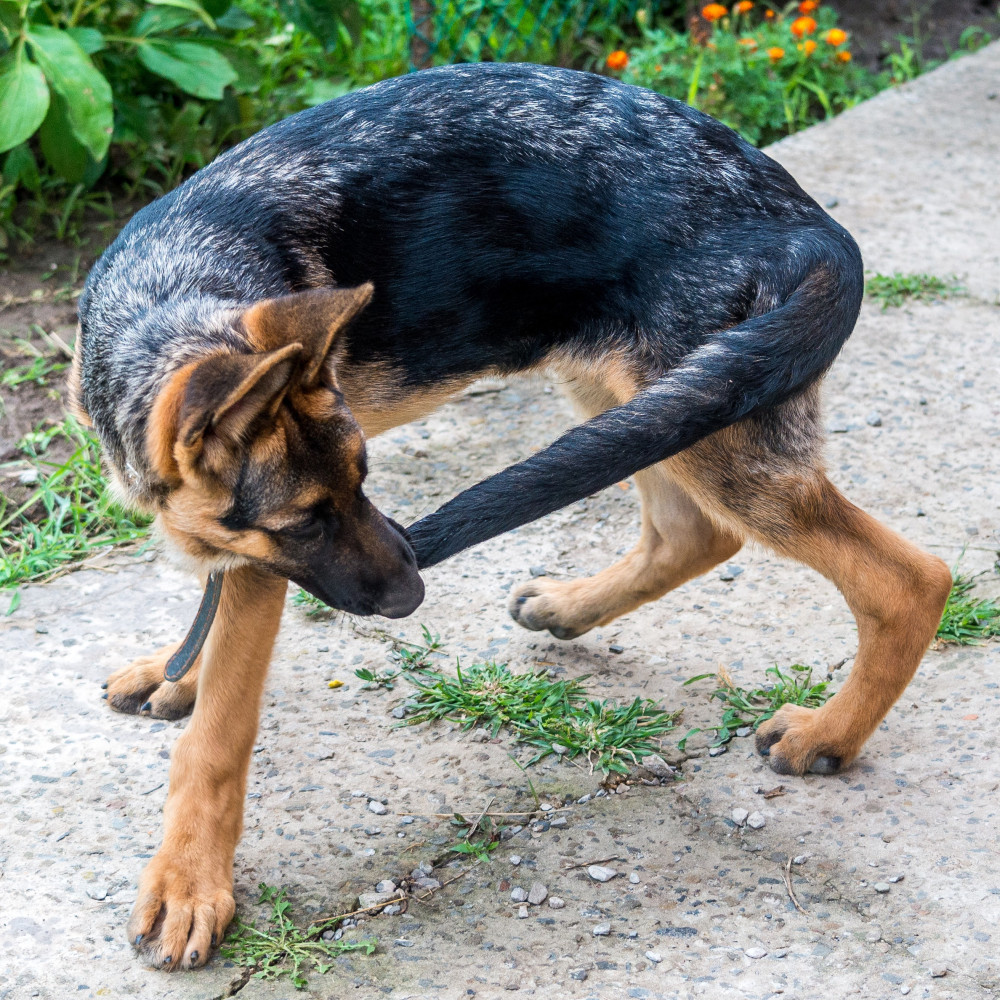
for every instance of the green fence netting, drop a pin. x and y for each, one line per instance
(547, 31)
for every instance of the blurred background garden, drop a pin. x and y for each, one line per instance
(109, 103)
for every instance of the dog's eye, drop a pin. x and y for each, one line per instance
(307, 531)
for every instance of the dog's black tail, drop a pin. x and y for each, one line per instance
(759, 363)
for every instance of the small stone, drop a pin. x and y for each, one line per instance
(718, 751)
(386, 885)
(831, 203)
(756, 821)
(376, 807)
(634, 878)
(392, 910)
(601, 874)
(538, 571)
(881, 887)
(42, 629)
(522, 913)
(755, 952)
(367, 899)
(938, 971)
(800, 859)
(602, 930)
(730, 572)
(616, 648)
(405, 820)
(541, 826)
(654, 956)
(556, 903)
(739, 815)
(656, 766)
(537, 894)
(515, 859)
(874, 419)
(895, 878)
(546, 807)
(583, 798)
(399, 712)
(97, 893)
(327, 935)
(780, 953)
(874, 935)
(558, 749)
(559, 823)
(578, 974)
(28, 478)
(838, 427)
(904, 990)
(426, 882)
(518, 895)
(373, 831)
(744, 731)
(358, 794)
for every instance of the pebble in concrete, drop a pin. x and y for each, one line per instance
(556, 903)
(518, 895)
(602, 930)
(739, 815)
(601, 874)
(756, 821)
(537, 894)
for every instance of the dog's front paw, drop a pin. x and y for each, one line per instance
(139, 688)
(797, 740)
(549, 604)
(184, 906)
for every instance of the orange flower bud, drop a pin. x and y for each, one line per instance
(713, 12)
(808, 6)
(749, 43)
(618, 60)
(844, 57)
(657, 68)
(809, 46)
(769, 14)
(835, 36)
(776, 53)
(803, 26)
(743, 7)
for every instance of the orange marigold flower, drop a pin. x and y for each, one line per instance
(844, 56)
(750, 43)
(617, 60)
(809, 46)
(743, 7)
(657, 68)
(776, 53)
(835, 36)
(713, 11)
(808, 6)
(769, 14)
(803, 26)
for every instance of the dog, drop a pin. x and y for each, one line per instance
(352, 267)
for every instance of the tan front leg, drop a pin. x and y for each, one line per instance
(185, 899)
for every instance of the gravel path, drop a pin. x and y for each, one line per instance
(894, 884)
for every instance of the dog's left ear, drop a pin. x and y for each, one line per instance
(313, 318)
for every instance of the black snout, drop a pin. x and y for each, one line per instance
(404, 592)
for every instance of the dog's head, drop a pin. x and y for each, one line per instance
(263, 461)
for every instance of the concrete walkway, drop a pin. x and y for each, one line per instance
(914, 174)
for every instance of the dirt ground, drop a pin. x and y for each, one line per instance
(709, 912)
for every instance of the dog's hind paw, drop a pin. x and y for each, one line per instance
(139, 688)
(799, 740)
(549, 604)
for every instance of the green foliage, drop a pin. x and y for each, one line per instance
(554, 717)
(68, 516)
(749, 708)
(895, 289)
(281, 948)
(38, 371)
(755, 73)
(408, 656)
(967, 620)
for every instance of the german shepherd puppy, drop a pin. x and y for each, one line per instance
(352, 267)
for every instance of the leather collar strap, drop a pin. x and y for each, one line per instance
(180, 663)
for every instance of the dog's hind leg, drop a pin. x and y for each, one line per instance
(896, 591)
(677, 543)
(139, 688)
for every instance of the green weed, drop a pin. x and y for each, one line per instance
(313, 606)
(554, 717)
(38, 371)
(68, 516)
(281, 948)
(744, 708)
(892, 290)
(408, 656)
(967, 620)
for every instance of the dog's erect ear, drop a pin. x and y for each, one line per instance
(312, 318)
(226, 394)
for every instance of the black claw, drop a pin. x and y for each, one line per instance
(522, 600)
(781, 766)
(194, 956)
(138, 940)
(104, 686)
(764, 741)
(148, 707)
(105, 696)
(213, 941)
(168, 959)
(825, 765)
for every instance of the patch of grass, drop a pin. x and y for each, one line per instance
(39, 371)
(554, 717)
(749, 708)
(68, 516)
(408, 656)
(895, 289)
(313, 606)
(967, 620)
(281, 948)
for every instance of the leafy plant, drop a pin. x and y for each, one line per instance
(554, 717)
(897, 288)
(281, 948)
(967, 620)
(747, 709)
(67, 516)
(39, 370)
(764, 73)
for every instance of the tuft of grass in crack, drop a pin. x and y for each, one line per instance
(313, 606)
(554, 717)
(892, 290)
(744, 707)
(967, 620)
(68, 516)
(38, 371)
(408, 656)
(281, 948)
